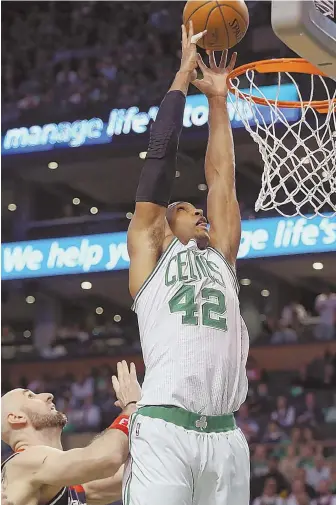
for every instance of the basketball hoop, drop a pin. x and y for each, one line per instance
(299, 157)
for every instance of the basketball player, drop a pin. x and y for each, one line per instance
(184, 444)
(40, 472)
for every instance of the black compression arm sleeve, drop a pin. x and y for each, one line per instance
(158, 173)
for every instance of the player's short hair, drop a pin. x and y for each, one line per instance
(170, 208)
(172, 205)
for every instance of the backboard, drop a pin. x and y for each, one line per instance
(308, 27)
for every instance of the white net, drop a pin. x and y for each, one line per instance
(299, 157)
(326, 7)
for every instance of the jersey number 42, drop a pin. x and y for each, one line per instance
(212, 309)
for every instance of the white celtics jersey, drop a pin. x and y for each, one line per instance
(194, 341)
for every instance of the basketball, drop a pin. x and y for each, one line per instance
(226, 22)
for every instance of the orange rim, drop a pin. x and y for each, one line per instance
(297, 65)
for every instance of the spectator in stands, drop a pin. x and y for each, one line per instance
(274, 434)
(308, 437)
(330, 412)
(306, 456)
(66, 75)
(303, 381)
(273, 472)
(325, 494)
(37, 386)
(283, 334)
(269, 495)
(7, 335)
(252, 370)
(319, 472)
(311, 415)
(91, 413)
(261, 401)
(295, 436)
(333, 477)
(293, 316)
(249, 427)
(288, 464)
(329, 377)
(104, 396)
(301, 474)
(83, 387)
(259, 463)
(319, 449)
(107, 68)
(325, 305)
(284, 414)
(68, 57)
(298, 495)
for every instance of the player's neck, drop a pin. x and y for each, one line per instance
(49, 436)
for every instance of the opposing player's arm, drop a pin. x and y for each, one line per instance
(105, 455)
(146, 234)
(222, 206)
(104, 491)
(102, 458)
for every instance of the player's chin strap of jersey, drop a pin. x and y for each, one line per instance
(158, 173)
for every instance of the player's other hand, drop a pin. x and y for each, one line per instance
(126, 385)
(214, 82)
(189, 53)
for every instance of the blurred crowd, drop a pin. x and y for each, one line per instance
(295, 319)
(96, 336)
(289, 421)
(76, 339)
(302, 474)
(70, 54)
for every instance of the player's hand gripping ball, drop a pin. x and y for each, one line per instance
(226, 22)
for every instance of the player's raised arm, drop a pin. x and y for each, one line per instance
(146, 232)
(105, 455)
(223, 209)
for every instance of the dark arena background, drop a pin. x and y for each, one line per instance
(81, 83)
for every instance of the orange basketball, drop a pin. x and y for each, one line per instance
(226, 22)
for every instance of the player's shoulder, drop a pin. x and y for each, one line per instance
(220, 254)
(168, 242)
(31, 458)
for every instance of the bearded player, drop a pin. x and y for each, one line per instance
(40, 473)
(185, 447)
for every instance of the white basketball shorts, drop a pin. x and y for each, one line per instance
(185, 463)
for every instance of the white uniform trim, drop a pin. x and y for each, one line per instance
(150, 277)
(230, 267)
(58, 496)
